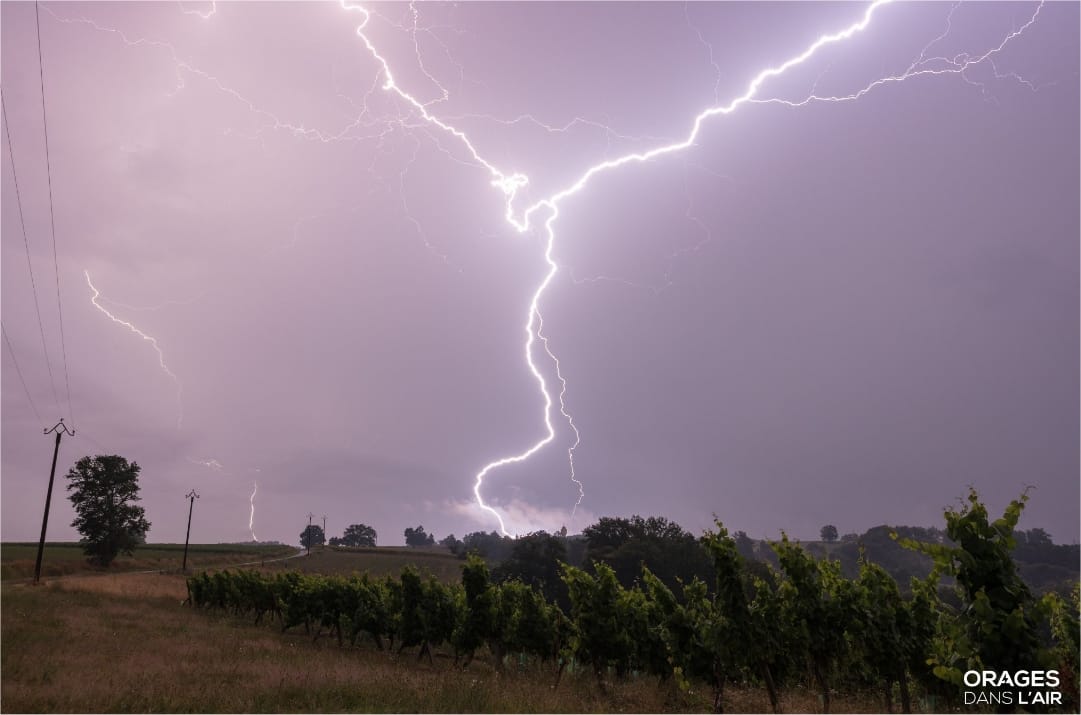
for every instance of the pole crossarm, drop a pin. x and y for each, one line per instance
(59, 428)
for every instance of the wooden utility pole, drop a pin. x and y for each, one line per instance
(324, 529)
(192, 496)
(60, 429)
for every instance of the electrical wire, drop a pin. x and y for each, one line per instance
(19, 372)
(26, 242)
(52, 215)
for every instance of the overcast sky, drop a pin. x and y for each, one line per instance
(839, 312)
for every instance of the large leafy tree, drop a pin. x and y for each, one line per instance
(103, 491)
(418, 537)
(312, 535)
(672, 554)
(535, 560)
(359, 535)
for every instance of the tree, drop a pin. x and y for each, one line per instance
(102, 491)
(312, 535)
(1038, 536)
(672, 554)
(535, 560)
(418, 537)
(358, 535)
(492, 547)
(828, 533)
(453, 544)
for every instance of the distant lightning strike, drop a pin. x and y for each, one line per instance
(510, 184)
(153, 341)
(251, 519)
(203, 14)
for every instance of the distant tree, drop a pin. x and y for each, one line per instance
(336, 541)
(672, 554)
(1038, 537)
(490, 546)
(828, 533)
(850, 538)
(535, 561)
(358, 535)
(453, 544)
(312, 536)
(102, 491)
(418, 537)
(744, 544)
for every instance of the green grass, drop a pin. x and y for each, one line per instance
(67, 559)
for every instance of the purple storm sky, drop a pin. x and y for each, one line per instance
(843, 312)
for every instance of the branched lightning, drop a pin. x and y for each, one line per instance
(153, 341)
(541, 215)
(511, 183)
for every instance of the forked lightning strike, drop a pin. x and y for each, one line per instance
(153, 341)
(510, 183)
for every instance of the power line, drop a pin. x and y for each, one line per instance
(19, 372)
(52, 216)
(26, 242)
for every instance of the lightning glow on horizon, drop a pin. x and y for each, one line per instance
(153, 341)
(510, 183)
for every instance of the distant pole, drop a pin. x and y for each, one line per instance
(60, 429)
(308, 535)
(192, 496)
(324, 528)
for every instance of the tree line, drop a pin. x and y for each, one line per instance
(801, 623)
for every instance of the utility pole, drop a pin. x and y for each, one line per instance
(60, 429)
(308, 535)
(324, 529)
(192, 496)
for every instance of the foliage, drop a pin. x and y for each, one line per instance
(312, 535)
(357, 535)
(418, 537)
(535, 560)
(805, 626)
(997, 627)
(453, 544)
(828, 533)
(490, 546)
(103, 489)
(672, 554)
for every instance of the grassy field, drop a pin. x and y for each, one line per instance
(124, 643)
(66, 559)
(379, 561)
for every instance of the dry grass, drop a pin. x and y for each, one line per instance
(123, 643)
(67, 559)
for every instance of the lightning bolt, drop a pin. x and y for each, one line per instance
(153, 341)
(212, 464)
(203, 14)
(545, 211)
(251, 518)
(511, 183)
